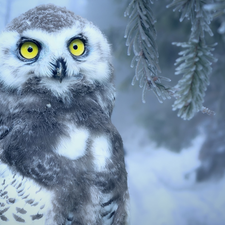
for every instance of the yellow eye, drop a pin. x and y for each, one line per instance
(77, 47)
(29, 50)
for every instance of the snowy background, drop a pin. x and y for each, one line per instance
(174, 177)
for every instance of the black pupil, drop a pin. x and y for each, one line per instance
(30, 49)
(75, 47)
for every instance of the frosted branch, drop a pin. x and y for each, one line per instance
(195, 60)
(141, 38)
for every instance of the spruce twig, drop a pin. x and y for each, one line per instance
(141, 38)
(195, 61)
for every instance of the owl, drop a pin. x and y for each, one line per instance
(61, 158)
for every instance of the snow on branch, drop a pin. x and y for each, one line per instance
(195, 66)
(141, 39)
(195, 60)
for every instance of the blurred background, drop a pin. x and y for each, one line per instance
(175, 167)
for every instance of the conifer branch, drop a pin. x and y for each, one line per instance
(195, 61)
(141, 38)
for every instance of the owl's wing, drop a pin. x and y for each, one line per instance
(4, 131)
(4, 121)
(109, 210)
(22, 200)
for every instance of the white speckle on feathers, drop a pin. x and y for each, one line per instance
(74, 145)
(102, 151)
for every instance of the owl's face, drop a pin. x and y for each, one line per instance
(54, 46)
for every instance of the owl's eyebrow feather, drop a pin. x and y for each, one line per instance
(79, 36)
(25, 39)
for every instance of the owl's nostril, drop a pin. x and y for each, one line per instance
(59, 69)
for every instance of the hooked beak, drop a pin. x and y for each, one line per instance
(59, 69)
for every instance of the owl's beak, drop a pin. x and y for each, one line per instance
(59, 69)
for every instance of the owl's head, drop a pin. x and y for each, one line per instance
(55, 47)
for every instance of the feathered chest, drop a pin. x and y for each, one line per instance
(73, 153)
(51, 133)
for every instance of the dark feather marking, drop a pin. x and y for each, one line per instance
(105, 185)
(30, 201)
(18, 218)
(13, 181)
(21, 210)
(25, 196)
(4, 193)
(42, 207)
(38, 190)
(34, 204)
(20, 190)
(70, 218)
(4, 130)
(12, 200)
(3, 218)
(105, 213)
(110, 201)
(19, 186)
(21, 194)
(112, 214)
(3, 211)
(6, 51)
(37, 216)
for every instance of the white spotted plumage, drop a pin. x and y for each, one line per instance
(23, 200)
(102, 151)
(74, 145)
